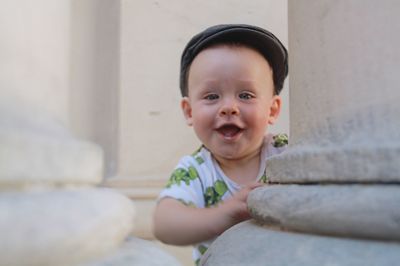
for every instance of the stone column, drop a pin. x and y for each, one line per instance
(334, 195)
(344, 93)
(51, 213)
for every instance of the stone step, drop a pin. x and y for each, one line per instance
(62, 227)
(136, 251)
(250, 244)
(363, 211)
(360, 163)
(36, 150)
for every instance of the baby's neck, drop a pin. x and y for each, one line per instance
(242, 171)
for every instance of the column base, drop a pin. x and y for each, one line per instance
(250, 244)
(357, 211)
(343, 164)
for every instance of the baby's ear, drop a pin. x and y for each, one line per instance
(187, 110)
(275, 109)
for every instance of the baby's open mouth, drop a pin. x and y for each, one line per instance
(229, 131)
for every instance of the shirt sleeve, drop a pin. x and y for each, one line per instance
(185, 184)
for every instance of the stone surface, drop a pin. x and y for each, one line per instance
(136, 251)
(367, 211)
(61, 227)
(345, 124)
(251, 244)
(373, 162)
(32, 155)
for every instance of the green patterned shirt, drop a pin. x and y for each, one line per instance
(198, 181)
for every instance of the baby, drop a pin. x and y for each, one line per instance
(230, 80)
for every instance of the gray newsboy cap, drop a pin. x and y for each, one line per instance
(255, 37)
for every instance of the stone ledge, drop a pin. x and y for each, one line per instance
(136, 251)
(29, 158)
(136, 188)
(276, 248)
(143, 190)
(361, 211)
(336, 164)
(62, 227)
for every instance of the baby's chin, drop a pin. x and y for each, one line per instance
(232, 154)
(223, 154)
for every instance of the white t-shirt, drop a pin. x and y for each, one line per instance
(198, 180)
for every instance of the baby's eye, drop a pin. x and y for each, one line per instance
(211, 96)
(245, 96)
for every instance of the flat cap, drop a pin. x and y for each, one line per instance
(255, 37)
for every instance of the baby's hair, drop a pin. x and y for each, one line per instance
(249, 36)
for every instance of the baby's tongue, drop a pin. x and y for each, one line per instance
(229, 131)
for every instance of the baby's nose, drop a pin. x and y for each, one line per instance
(229, 108)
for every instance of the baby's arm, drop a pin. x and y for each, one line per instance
(178, 224)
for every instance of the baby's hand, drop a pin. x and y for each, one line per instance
(236, 207)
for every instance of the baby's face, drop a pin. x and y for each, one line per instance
(230, 100)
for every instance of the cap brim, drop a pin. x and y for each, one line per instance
(260, 39)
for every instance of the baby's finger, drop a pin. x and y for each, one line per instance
(242, 194)
(255, 185)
